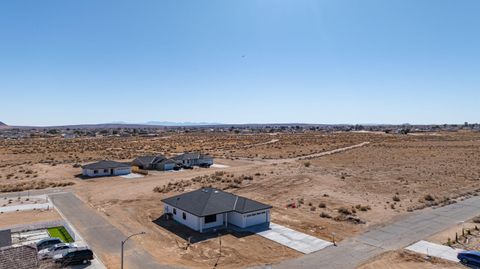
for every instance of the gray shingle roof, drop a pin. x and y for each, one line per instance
(106, 165)
(167, 161)
(24, 257)
(209, 201)
(151, 159)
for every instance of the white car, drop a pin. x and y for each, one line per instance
(48, 253)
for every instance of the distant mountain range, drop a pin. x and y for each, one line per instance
(120, 124)
(171, 123)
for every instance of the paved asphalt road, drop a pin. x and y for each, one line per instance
(352, 252)
(105, 238)
(99, 234)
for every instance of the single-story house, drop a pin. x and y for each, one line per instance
(154, 162)
(106, 168)
(209, 208)
(193, 159)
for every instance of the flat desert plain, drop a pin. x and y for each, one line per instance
(346, 192)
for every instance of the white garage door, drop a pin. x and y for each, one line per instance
(255, 218)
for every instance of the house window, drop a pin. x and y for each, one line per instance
(105, 170)
(210, 218)
(95, 171)
(175, 211)
(184, 216)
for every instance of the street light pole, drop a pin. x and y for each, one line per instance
(123, 243)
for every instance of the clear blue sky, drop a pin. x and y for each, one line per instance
(242, 61)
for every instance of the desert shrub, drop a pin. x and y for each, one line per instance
(429, 198)
(396, 198)
(322, 205)
(307, 164)
(364, 207)
(325, 215)
(344, 210)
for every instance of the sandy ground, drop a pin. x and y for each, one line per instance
(468, 240)
(27, 217)
(403, 259)
(345, 193)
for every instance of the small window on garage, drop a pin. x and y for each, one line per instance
(95, 171)
(210, 218)
(105, 170)
(184, 216)
(175, 211)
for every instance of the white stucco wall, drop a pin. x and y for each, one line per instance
(236, 219)
(191, 221)
(219, 222)
(249, 219)
(257, 217)
(206, 161)
(100, 172)
(169, 166)
(106, 172)
(122, 171)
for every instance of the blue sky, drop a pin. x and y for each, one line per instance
(263, 61)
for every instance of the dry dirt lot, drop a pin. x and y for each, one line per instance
(27, 217)
(403, 259)
(468, 239)
(345, 193)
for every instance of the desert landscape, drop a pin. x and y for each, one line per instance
(313, 187)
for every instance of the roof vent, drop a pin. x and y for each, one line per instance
(215, 191)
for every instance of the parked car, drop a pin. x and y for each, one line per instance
(79, 255)
(48, 253)
(469, 257)
(48, 242)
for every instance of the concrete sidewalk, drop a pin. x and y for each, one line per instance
(435, 250)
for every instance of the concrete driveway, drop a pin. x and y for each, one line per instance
(298, 241)
(435, 250)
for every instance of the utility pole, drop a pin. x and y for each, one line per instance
(123, 243)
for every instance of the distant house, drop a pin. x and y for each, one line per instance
(158, 162)
(106, 168)
(193, 159)
(210, 208)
